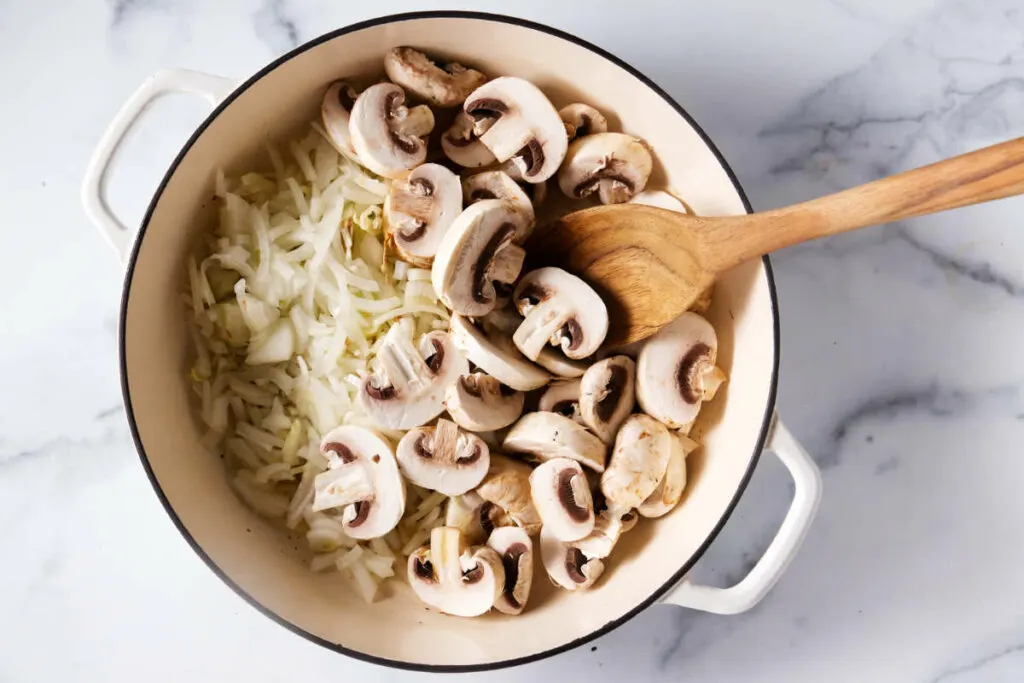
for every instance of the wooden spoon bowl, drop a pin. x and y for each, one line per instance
(650, 264)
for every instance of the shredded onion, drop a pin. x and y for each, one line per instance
(290, 296)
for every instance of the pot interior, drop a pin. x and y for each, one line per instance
(270, 567)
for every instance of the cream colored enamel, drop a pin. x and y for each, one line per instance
(255, 554)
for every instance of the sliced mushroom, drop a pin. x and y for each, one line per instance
(607, 395)
(462, 146)
(386, 135)
(537, 192)
(419, 211)
(369, 511)
(335, 111)
(461, 581)
(557, 364)
(562, 397)
(507, 485)
(492, 351)
(666, 496)
(629, 520)
(608, 528)
(480, 403)
(561, 494)
(410, 390)
(444, 84)
(546, 436)
(515, 120)
(559, 309)
(638, 463)
(614, 165)
(498, 185)
(582, 119)
(475, 517)
(676, 370)
(443, 458)
(515, 548)
(477, 260)
(660, 199)
(566, 565)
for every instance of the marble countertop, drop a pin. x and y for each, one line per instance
(901, 368)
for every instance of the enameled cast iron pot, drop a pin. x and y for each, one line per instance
(650, 563)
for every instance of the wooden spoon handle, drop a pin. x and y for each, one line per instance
(990, 173)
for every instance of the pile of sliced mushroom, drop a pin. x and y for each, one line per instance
(608, 441)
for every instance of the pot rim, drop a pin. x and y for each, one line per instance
(294, 628)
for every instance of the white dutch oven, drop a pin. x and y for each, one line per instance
(256, 558)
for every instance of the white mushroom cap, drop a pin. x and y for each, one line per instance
(559, 309)
(461, 581)
(419, 211)
(514, 119)
(562, 397)
(493, 352)
(660, 199)
(411, 389)
(670, 489)
(507, 485)
(566, 564)
(480, 403)
(614, 165)
(475, 517)
(462, 146)
(444, 84)
(386, 135)
(582, 119)
(555, 362)
(546, 436)
(638, 462)
(367, 516)
(561, 494)
(607, 395)
(498, 185)
(477, 259)
(676, 370)
(515, 548)
(443, 458)
(335, 111)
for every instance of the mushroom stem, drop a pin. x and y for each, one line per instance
(415, 206)
(401, 363)
(342, 485)
(614, 192)
(415, 122)
(507, 263)
(446, 548)
(543, 323)
(712, 379)
(446, 435)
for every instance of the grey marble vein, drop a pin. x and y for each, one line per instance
(933, 400)
(122, 11)
(957, 672)
(980, 273)
(275, 26)
(110, 432)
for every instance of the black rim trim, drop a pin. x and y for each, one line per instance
(126, 393)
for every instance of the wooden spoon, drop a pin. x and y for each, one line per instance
(650, 264)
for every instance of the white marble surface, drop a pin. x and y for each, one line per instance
(901, 368)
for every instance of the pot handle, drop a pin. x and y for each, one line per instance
(94, 196)
(757, 583)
